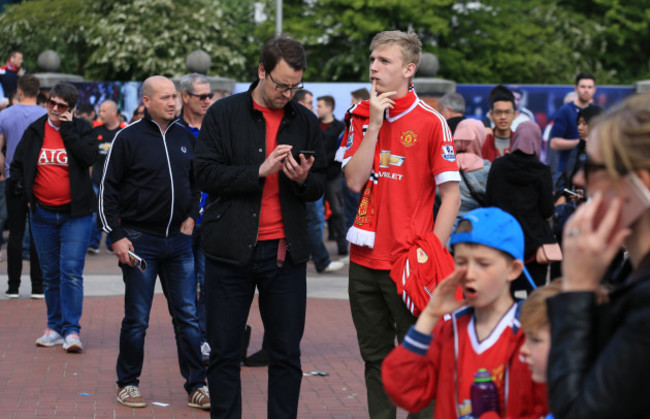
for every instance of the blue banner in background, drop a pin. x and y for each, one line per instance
(542, 100)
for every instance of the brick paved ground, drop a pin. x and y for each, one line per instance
(47, 382)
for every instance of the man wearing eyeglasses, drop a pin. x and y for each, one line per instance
(259, 157)
(502, 113)
(197, 98)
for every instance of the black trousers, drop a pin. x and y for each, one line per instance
(230, 291)
(16, 216)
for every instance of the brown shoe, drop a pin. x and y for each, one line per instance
(130, 396)
(199, 398)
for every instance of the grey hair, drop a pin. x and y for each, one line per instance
(453, 101)
(187, 81)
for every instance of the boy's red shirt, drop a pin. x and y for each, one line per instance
(444, 369)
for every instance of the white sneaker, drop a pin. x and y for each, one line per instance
(333, 267)
(72, 343)
(49, 338)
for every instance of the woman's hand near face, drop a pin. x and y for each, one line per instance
(589, 249)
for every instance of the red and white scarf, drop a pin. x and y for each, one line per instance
(362, 232)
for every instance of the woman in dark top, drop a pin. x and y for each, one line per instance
(520, 184)
(598, 366)
(51, 167)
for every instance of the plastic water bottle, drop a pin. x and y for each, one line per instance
(484, 394)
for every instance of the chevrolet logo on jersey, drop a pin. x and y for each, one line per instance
(386, 159)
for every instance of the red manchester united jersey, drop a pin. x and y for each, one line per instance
(415, 152)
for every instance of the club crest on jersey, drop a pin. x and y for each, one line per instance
(422, 256)
(386, 159)
(350, 138)
(448, 153)
(408, 138)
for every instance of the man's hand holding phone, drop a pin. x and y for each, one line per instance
(121, 249)
(275, 161)
(298, 171)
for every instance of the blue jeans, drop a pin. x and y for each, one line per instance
(61, 243)
(315, 223)
(282, 302)
(171, 258)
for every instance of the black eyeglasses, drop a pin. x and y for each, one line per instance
(283, 88)
(203, 96)
(54, 104)
(587, 166)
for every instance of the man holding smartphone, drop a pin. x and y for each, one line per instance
(255, 225)
(148, 201)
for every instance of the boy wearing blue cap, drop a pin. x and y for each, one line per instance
(441, 355)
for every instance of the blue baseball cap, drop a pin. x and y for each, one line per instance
(495, 228)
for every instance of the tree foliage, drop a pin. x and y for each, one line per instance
(127, 40)
(517, 42)
(35, 26)
(476, 41)
(337, 33)
(138, 38)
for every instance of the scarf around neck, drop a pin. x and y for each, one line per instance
(364, 227)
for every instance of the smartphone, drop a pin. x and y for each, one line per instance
(570, 192)
(137, 261)
(306, 153)
(636, 201)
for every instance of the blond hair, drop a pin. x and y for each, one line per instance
(624, 136)
(408, 42)
(533, 312)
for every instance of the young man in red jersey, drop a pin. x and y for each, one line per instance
(399, 150)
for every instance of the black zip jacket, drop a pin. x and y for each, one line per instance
(148, 181)
(230, 150)
(82, 153)
(598, 365)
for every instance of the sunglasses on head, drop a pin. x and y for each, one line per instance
(54, 104)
